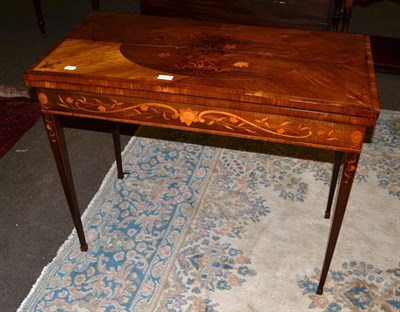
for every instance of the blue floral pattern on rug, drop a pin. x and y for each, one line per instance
(381, 157)
(284, 174)
(356, 287)
(134, 233)
(169, 236)
(209, 260)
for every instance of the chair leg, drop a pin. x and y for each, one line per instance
(335, 174)
(337, 15)
(117, 148)
(95, 5)
(39, 16)
(348, 7)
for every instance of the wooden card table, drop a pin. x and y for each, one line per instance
(297, 87)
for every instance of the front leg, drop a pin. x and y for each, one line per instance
(348, 171)
(56, 137)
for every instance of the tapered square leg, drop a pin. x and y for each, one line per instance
(56, 137)
(346, 181)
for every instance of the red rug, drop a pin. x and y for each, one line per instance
(17, 115)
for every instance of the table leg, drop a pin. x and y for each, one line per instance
(56, 137)
(117, 148)
(335, 174)
(346, 181)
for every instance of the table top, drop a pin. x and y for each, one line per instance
(127, 54)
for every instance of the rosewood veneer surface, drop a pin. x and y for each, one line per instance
(326, 76)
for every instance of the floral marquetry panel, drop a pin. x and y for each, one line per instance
(201, 118)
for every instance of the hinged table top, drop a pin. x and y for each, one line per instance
(115, 53)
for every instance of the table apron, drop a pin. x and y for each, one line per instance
(206, 119)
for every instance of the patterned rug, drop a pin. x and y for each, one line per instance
(213, 224)
(18, 114)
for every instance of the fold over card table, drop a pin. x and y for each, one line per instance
(297, 87)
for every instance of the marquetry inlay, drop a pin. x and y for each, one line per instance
(48, 120)
(190, 116)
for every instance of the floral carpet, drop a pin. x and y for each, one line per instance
(201, 223)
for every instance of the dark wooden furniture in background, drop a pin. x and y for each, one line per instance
(386, 54)
(297, 87)
(385, 50)
(311, 14)
(37, 4)
(308, 14)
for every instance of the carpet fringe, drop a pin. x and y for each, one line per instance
(13, 91)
